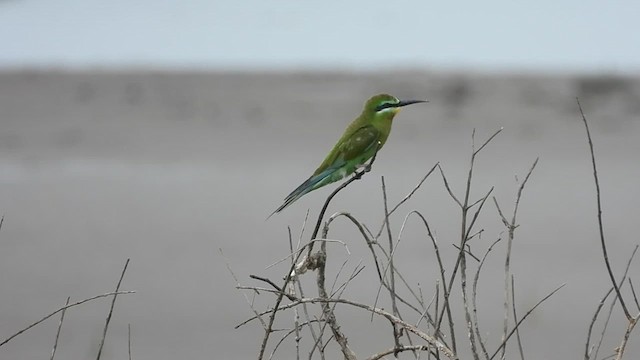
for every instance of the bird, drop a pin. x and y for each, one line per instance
(361, 140)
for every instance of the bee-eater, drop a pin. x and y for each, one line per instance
(361, 140)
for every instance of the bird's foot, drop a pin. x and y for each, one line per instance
(363, 170)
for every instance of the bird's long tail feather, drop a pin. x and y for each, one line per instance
(309, 185)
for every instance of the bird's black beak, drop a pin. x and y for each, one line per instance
(409, 102)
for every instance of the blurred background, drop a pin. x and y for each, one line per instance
(166, 131)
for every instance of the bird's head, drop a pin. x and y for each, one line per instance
(387, 105)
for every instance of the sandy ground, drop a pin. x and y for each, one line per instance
(168, 168)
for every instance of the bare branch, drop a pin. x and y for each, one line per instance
(504, 342)
(633, 292)
(268, 281)
(296, 282)
(55, 344)
(446, 185)
(288, 333)
(474, 294)
(428, 338)
(233, 275)
(299, 267)
(524, 182)
(258, 289)
(511, 228)
(317, 338)
(392, 278)
(62, 309)
(588, 348)
(623, 345)
(434, 299)
(362, 230)
(327, 312)
(407, 197)
(377, 262)
(600, 225)
(269, 327)
(129, 339)
(515, 314)
(400, 349)
(467, 251)
(477, 213)
(613, 303)
(413, 191)
(504, 219)
(302, 228)
(467, 313)
(487, 141)
(113, 303)
(446, 308)
(464, 235)
(356, 271)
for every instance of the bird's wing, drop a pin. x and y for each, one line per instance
(350, 147)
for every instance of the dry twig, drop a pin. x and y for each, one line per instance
(55, 344)
(511, 228)
(62, 309)
(129, 339)
(504, 342)
(474, 293)
(633, 320)
(600, 226)
(113, 303)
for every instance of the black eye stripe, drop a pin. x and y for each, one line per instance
(385, 106)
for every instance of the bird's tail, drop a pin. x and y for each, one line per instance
(309, 185)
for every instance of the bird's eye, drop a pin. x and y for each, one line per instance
(384, 106)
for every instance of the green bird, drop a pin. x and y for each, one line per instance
(361, 140)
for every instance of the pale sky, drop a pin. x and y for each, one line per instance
(542, 35)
